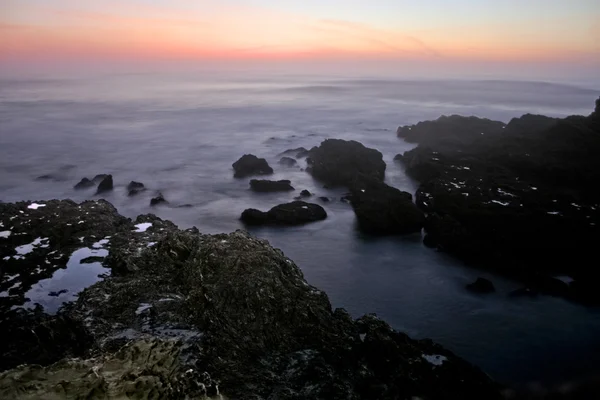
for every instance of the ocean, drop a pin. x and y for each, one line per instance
(180, 133)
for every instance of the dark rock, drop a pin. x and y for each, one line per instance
(47, 177)
(535, 173)
(106, 185)
(36, 338)
(158, 200)
(135, 188)
(135, 185)
(91, 259)
(288, 162)
(168, 320)
(85, 183)
(305, 193)
(382, 209)
(453, 130)
(261, 185)
(340, 162)
(99, 178)
(324, 199)
(299, 152)
(249, 164)
(481, 285)
(58, 293)
(294, 213)
(523, 292)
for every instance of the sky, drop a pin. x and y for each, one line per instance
(562, 33)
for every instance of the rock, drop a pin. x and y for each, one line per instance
(99, 178)
(170, 319)
(324, 199)
(535, 173)
(382, 209)
(481, 285)
(453, 130)
(523, 292)
(340, 162)
(85, 183)
(158, 200)
(294, 213)
(135, 188)
(106, 185)
(299, 152)
(288, 162)
(305, 193)
(261, 185)
(249, 164)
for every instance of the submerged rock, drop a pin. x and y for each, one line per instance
(340, 162)
(294, 213)
(158, 200)
(305, 193)
(105, 185)
(134, 188)
(85, 183)
(261, 185)
(249, 164)
(299, 152)
(186, 315)
(481, 285)
(288, 162)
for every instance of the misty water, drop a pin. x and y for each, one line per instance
(180, 135)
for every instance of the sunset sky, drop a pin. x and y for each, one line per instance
(437, 31)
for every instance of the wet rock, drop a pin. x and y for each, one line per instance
(324, 199)
(481, 285)
(340, 162)
(169, 322)
(99, 178)
(261, 185)
(382, 209)
(294, 213)
(33, 337)
(105, 185)
(57, 293)
(249, 164)
(536, 173)
(135, 188)
(305, 193)
(158, 200)
(85, 183)
(299, 152)
(288, 162)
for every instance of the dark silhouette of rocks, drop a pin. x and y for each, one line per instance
(294, 213)
(158, 200)
(105, 185)
(249, 165)
(85, 183)
(135, 188)
(512, 198)
(339, 162)
(262, 185)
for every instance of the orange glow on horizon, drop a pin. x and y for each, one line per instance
(258, 34)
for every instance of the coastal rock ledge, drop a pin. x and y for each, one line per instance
(180, 314)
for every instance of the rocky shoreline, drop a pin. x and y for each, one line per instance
(520, 198)
(180, 314)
